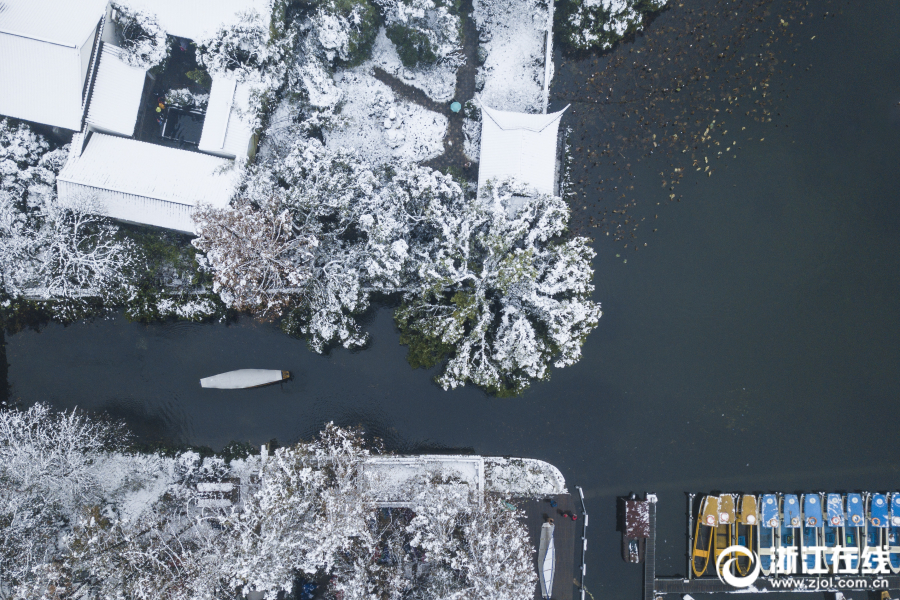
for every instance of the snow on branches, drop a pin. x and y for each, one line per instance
(587, 24)
(143, 39)
(256, 260)
(499, 292)
(488, 284)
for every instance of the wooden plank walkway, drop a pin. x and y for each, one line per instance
(565, 535)
(650, 557)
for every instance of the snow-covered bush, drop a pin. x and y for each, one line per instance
(424, 31)
(588, 24)
(143, 39)
(345, 29)
(28, 167)
(186, 99)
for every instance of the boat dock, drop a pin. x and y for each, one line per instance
(655, 587)
(565, 533)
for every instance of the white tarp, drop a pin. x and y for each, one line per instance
(241, 379)
(519, 146)
(116, 97)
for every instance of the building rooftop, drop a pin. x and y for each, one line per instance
(116, 97)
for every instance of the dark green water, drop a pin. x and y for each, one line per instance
(751, 346)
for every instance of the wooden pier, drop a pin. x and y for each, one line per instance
(565, 534)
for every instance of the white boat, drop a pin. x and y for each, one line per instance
(547, 559)
(244, 378)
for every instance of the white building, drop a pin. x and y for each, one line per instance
(59, 66)
(519, 146)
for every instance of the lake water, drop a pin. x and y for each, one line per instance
(752, 345)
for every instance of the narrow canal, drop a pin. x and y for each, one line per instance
(752, 345)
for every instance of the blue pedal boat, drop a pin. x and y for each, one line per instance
(876, 524)
(811, 539)
(790, 525)
(767, 539)
(834, 523)
(894, 533)
(855, 527)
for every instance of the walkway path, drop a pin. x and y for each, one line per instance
(454, 142)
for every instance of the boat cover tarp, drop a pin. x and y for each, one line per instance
(769, 511)
(835, 510)
(791, 510)
(547, 559)
(878, 510)
(895, 509)
(726, 509)
(749, 510)
(709, 511)
(812, 510)
(637, 519)
(242, 378)
(855, 509)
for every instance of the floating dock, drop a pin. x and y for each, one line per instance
(566, 531)
(656, 587)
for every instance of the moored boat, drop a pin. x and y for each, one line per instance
(768, 532)
(707, 519)
(855, 527)
(747, 524)
(790, 525)
(811, 538)
(893, 538)
(834, 524)
(244, 378)
(547, 560)
(876, 525)
(724, 535)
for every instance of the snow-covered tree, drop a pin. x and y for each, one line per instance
(256, 260)
(79, 254)
(499, 291)
(46, 471)
(143, 39)
(588, 24)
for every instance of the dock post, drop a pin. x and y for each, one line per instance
(650, 553)
(584, 524)
(690, 536)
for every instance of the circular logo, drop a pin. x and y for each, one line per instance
(710, 520)
(724, 571)
(879, 502)
(896, 520)
(876, 521)
(724, 518)
(855, 500)
(811, 522)
(751, 519)
(773, 522)
(812, 500)
(855, 518)
(795, 521)
(835, 520)
(770, 501)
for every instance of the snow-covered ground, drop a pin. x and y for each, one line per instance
(381, 126)
(437, 81)
(512, 35)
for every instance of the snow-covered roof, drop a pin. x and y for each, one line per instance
(116, 96)
(396, 473)
(45, 49)
(224, 131)
(197, 19)
(151, 171)
(520, 146)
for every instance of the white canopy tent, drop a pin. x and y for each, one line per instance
(519, 145)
